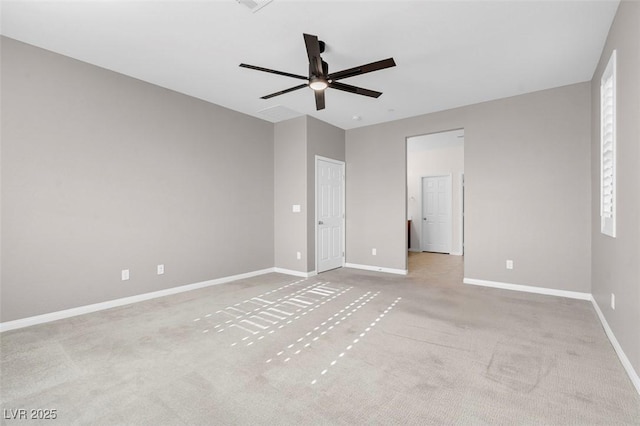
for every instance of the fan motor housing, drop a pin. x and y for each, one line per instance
(325, 70)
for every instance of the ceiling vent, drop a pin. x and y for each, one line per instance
(278, 113)
(254, 5)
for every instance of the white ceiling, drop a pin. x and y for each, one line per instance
(448, 53)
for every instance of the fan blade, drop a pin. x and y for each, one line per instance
(286, 74)
(362, 69)
(319, 99)
(282, 92)
(313, 53)
(354, 89)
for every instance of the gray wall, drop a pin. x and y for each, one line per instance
(290, 140)
(527, 167)
(297, 142)
(616, 261)
(376, 194)
(101, 172)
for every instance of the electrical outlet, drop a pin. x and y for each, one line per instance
(509, 264)
(299, 255)
(374, 251)
(295, 208)
(160, 269)
(125, 274)
(613, 301)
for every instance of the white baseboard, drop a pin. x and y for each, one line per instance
(614, 342)
(376, 268)
(529, 289)
(456, 253)
(67, 313)
(295, 273)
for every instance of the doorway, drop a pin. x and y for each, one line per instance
(330, 220)
(436, 155)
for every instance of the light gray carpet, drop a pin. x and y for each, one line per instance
(345, 347)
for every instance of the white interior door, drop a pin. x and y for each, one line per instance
(329, 214)
(436, 214)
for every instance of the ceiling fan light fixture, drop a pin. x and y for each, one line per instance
(319, 77)
(318, 84)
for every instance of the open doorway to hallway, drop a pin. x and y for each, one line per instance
(435, 193)
(436, 268)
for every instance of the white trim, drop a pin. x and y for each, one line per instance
(529, 289)
(376, 268)
(456, 253)
(344, 207)
(461, 217)
(295, 273)
(81, 310)
(635, 379)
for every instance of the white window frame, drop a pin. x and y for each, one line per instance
(608, 195)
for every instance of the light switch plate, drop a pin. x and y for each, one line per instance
(296, 208)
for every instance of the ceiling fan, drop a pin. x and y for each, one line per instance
(319, 77)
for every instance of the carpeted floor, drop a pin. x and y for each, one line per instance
(345, 347)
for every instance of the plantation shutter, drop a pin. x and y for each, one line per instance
(608, 148)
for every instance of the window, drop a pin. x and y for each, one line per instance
(608, 148)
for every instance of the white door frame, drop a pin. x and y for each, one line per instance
(461, 217)
(315, 222)
(450, 176)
